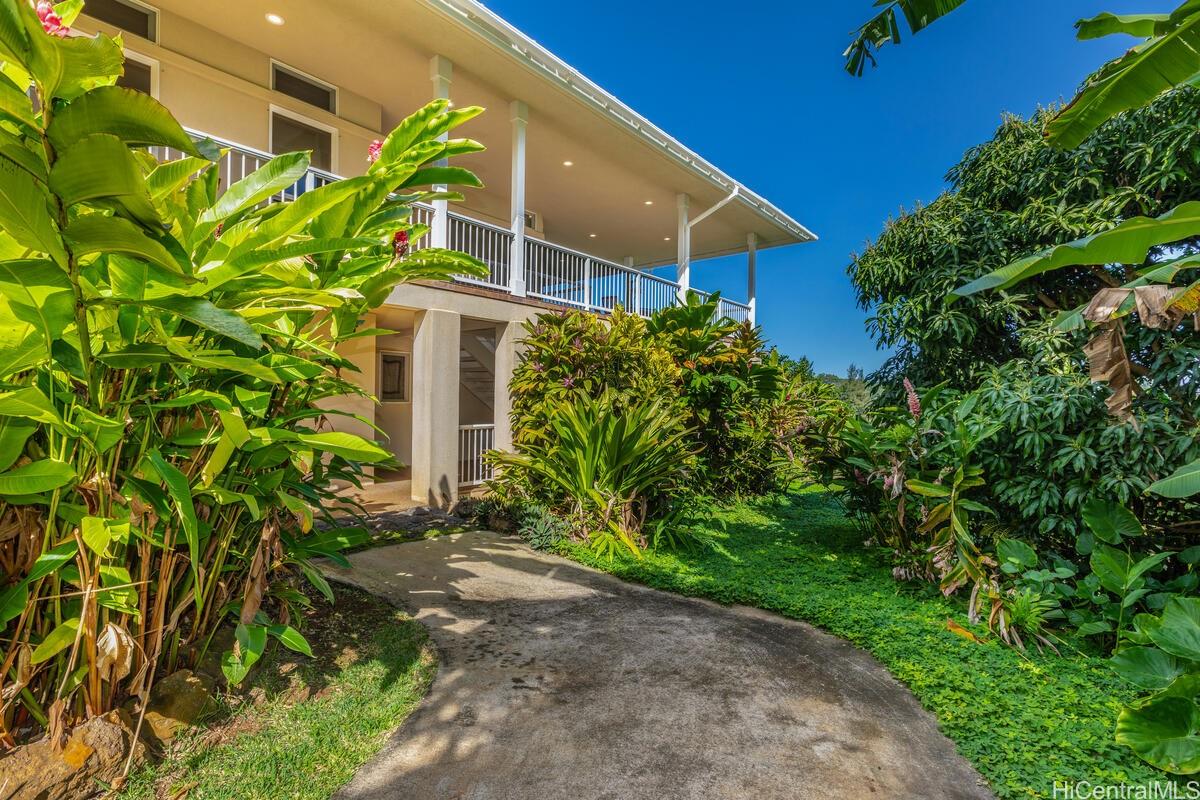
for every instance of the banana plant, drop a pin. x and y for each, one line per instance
(1168, 56)
(167, 347)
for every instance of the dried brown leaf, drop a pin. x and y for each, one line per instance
(1156, 306)
(114, 648)
(1109, 363)
(1104, 304)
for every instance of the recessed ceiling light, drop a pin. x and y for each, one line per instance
(649, 202)
(274, 19)
(591, 236)
(568, 163)
(666, 238)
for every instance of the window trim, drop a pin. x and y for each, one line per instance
(299, 73)
(153, 63)
(292, 115)
(407, 377)
(153, 11)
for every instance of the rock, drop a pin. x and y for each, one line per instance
(94, 756)
(500, 523)
(175, 703)
(210, 665)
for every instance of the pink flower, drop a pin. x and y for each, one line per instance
(537, 367)
(51, 22)
(400, 244)
(374, 150)
(568, 383)
(914, 402)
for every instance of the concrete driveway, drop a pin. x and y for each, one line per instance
(561, 683)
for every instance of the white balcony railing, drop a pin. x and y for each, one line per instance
(553, 273)
(473, 442)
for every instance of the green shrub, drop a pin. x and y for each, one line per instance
(745, 406)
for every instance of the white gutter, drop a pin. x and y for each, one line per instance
(488, 25)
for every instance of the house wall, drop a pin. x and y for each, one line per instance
(395, 418)
(216, 85)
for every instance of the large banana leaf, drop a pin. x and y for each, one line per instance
(1128, 243)
(1183, 482)
(1142, 26)
(1134, 80)
(884, 27)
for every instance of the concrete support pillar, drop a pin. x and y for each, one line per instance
(436, 344)
(441, 72)
(516, 261)
(508, 353)
(683, 243)
(751, 273)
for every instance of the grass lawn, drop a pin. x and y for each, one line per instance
(1024, 721)
(302, 727)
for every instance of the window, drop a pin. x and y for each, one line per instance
(393, 377)
(128, 15)
(304, 88)
(290, 134)
(139, 75)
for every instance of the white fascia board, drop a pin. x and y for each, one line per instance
(487, 24)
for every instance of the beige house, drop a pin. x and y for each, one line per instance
(583, 196)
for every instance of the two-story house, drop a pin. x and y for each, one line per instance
(583, 198)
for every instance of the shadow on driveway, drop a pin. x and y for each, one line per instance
(563, 683)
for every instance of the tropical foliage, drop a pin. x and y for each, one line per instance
(167, 345)
(620, 422)
(1142, 253)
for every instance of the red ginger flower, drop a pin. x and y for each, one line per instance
(914, 402)
(374, 151)
(400, 244)
(51, 22)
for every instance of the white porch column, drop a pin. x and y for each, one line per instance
(508, 353)
(516, 260)
(751, 272)
(683, 247)
(441, 72)
(436, 344)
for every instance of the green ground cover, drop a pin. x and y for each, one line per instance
(302, 727)
(1024, 721)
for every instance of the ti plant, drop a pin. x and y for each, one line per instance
(168, 368)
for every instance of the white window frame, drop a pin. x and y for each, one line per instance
(287, 112)
(337, 92)
(154, 10)
(407, 377)
(153, 63)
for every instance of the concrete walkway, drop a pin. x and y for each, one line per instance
(561, 683)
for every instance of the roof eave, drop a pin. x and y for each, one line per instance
(491, 27)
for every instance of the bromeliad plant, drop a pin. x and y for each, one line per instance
(167, 345)
(612, 469)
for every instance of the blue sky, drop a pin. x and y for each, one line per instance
(758, 88)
